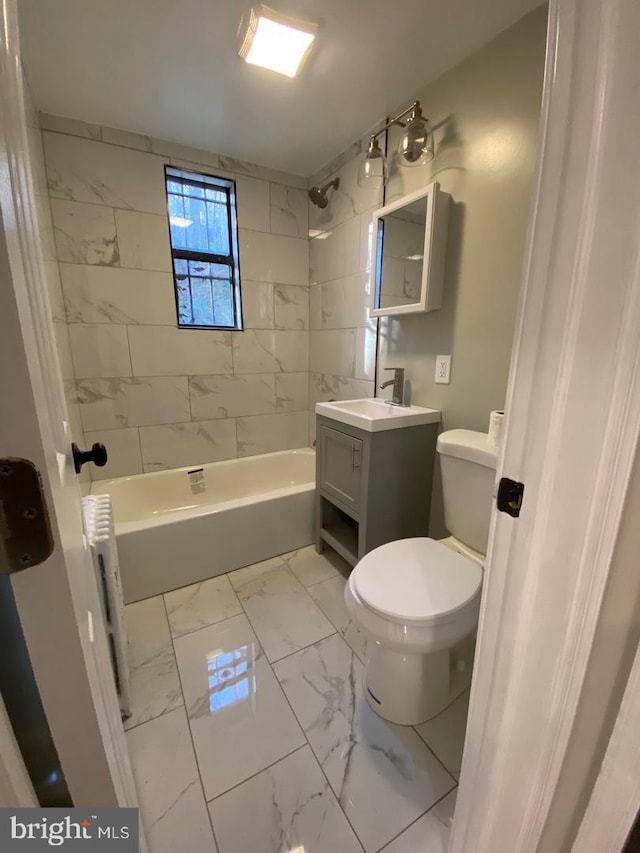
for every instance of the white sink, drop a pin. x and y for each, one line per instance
(377, 415)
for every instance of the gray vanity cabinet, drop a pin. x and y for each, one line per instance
(371, 487)
(340, 469)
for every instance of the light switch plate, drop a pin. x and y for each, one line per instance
(443, 369)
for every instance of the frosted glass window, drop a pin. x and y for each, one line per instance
(204, 247)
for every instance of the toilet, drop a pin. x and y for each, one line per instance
(418, 600)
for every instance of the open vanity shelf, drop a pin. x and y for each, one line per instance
(371, 487)
(339, 531)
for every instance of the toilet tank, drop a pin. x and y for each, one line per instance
(468, 464)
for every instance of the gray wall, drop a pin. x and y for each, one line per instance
(486, 112)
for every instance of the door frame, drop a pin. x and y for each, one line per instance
(15, 786)
(58, 600)
(615, 800)
(575, 460)
(572, 417)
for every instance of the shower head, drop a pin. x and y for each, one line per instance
(318, 195)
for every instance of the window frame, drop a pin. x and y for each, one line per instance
(227, 185)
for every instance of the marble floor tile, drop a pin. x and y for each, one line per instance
(287, 807)
(239, 717)
(383, 775)
(154, 682)
(445, 733)
(329, 596)
(281, 613)
(430, 833)
(172, 806)
(201, 604)
(310, 567)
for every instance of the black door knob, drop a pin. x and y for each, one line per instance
(97, 455)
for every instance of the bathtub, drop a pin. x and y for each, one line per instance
(184, 525)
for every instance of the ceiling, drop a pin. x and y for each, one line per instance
(168, 68)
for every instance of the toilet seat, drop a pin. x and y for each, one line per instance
(417, 581)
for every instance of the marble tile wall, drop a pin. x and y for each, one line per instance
(341, 335)
(51, 270)
(158, 396)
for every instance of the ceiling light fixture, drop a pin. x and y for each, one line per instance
(275, 41)
(180, 222)
(416, 147)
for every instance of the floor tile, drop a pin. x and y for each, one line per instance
(239, 717)
(383, 775)
(445, 733)
(430, 833)
(310, 567)
(281, 613)
(329, 595)
(201, 604)
(287, 807)
(154, 682)
(172, 807)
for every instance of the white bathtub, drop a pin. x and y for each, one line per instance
(251, 509)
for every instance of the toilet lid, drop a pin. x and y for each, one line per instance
(416, 579)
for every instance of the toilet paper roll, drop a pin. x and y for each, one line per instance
(495, 428)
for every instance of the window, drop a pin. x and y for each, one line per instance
(204, 249)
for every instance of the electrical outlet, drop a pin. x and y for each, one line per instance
(443, 369)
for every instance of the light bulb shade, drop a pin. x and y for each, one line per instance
(373, 172)
(416, 143)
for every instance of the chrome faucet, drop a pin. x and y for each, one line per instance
(398, 385)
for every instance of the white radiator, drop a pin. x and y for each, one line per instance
(99, 526)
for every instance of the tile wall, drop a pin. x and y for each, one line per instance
(51, 270)
(341, 335)
(162, 397)
(158, 396)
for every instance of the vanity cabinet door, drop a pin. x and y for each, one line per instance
(340, 466)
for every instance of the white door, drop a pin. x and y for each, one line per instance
(15, 785)
(573, 416)
(58, 599)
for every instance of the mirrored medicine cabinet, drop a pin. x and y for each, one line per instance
(409, 246)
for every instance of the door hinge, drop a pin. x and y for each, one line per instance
(25, 530)
(510, 496)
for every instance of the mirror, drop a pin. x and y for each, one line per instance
(407, 267)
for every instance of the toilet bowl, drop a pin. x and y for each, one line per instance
(418, 600)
